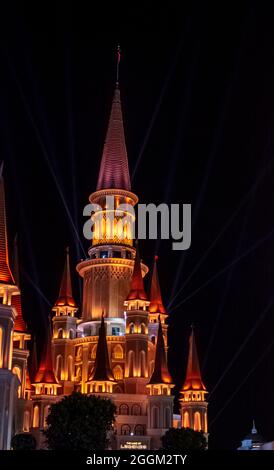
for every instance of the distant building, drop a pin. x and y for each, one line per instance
(254, 441)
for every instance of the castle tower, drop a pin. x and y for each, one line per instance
(108, 270)
(12, 380)
(46, 389)
(193, 402)
(156, 307)
(101, 379)
(136, 338)
(64, 331)
(160, 400)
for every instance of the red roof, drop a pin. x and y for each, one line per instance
(137, 291)
(6, 276)
(45, 373)
(160, 373)
(19, 324)
(156, 302)
(101, 371)
(65, 297)
(193, 379)
(114, 172)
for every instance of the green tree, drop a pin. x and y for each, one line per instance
(23, 441)
(184, 439)
(80, 422)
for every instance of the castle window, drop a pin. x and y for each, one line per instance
(46, 413)
(143, 363)
(118, 373)
(143, 329)
(139, 430)
(60, 333)
(117, 352)
(59, 366)
(17, 371)
(131, 328)
(155, 417)
(186, 423)
(125, 429)
(197, 421)
(115, 331)
(128, 255)
(26, 421)
(103, 254)
(70, 367)
(123, 409)
(36, 417)
(116, 254)
(71, 334)
(136, 410)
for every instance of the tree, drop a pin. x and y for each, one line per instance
(23, 441)
(80, 422)
(184, 439)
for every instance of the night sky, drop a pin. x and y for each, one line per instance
(197, 86)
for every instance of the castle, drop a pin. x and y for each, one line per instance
(115, 346)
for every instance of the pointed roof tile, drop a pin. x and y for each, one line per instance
(101, 370)
(6, 276)
(65, 297)
(160, 373)
(156, 302)
(137, 291)
(114, 172)
(45, 373)
(193, 379)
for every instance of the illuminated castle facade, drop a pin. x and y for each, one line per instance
(115, 346)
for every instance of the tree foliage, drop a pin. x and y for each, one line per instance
(80, 422)
(184, 439)
(23, 441)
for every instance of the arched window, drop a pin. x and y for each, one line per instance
(18, 371)
(123, 409)
(78, 373)
(59, 366)
(60, 333)
(205, 422)
(118, 373)
(167, 420)
(93, 352)
(70, 368)
(117, 352)
(131, 363)
(26, 421)
(125, 429)
(131, 328)
(197, 421)
(36, 418)
(136, 410)
(143, 363)
(155, 417)
(186, 423)
(71, 334)
(143, 329)
(139, 430)
(46, 413)
(79, 353)
(1, 346)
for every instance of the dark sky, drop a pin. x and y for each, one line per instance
(201, 79)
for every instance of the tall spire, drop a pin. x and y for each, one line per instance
(6, 276)
(114, 172)
(102, 371)
(45, 373)
(19, 324)
(156, 302)
(193, 379)
(137, 291)
(160, 374)
(65, 297)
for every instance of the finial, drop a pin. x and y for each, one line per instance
(156, 257)
(118, 63)
(254, 430)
